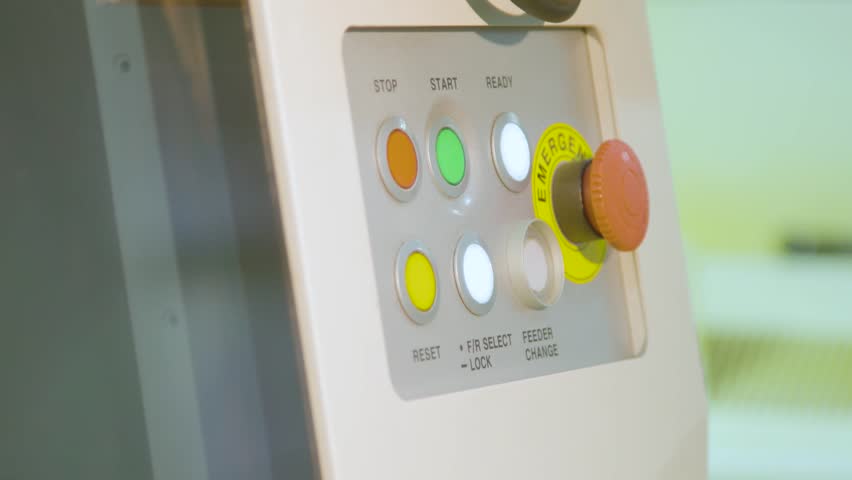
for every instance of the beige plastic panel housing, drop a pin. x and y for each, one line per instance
(643, 418)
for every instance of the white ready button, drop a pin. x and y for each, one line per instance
(511, 152)
(516, 151)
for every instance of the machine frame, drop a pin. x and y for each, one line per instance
(642, 418)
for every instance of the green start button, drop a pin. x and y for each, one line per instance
(450, 153)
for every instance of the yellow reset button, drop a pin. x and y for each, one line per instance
(416, 282)
(420, 281)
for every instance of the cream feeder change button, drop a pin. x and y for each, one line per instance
(510, 150)
(474, 274)
(416, 282)
(535, 264)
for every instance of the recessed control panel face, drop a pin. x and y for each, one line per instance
(458, 135)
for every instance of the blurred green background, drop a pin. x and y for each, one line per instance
(756, 98)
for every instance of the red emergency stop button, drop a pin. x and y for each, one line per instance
(615, 195)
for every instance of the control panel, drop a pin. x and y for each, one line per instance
(496, 214)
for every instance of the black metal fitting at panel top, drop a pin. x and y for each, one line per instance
(549, 10)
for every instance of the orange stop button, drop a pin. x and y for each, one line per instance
(402, 159)
(615, 195)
